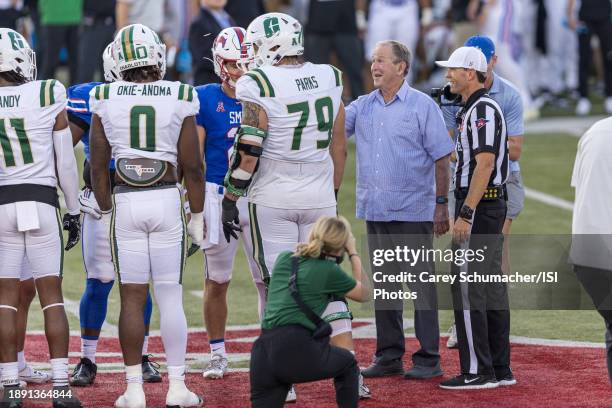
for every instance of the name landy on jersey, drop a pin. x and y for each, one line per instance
(9, 101)
(144, 90)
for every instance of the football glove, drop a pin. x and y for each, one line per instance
(72, 224)
(230, 218)
(88, 202)
(195, 228)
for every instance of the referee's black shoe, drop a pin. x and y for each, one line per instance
(384, 369)
(150, 370)
(470, 382)
(84, 373)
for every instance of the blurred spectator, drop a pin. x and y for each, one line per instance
(97, 30)
(332, 25)
(594, 17)
(245, 11)
(146, 12)
(212, 19)
(298, 9)
(59, 28)
(463, 24)
(179, 57)
(10, 11)
(395, 20)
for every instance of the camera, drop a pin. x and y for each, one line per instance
(444, 96)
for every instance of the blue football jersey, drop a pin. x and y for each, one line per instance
(78, 106)
(220, 116)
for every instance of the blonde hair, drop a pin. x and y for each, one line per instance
(329, 234)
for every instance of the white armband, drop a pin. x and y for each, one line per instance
(65, 163)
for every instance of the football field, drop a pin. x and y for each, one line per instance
(546, 344)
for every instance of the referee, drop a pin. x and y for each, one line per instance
(481, 310)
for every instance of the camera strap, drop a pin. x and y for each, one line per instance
(323, 329)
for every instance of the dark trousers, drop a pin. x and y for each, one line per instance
(348, 50)
(95, 35)
(603, 31)
(482, 311)
(390, 341)
(54, 38)
(289, 355)
(598, 284)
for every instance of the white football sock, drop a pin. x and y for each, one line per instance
(145, 345)
(88, 349)
(59, 371)
(133, 374)
(10, 373)
(21, 360)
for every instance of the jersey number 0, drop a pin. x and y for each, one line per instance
(148, 114)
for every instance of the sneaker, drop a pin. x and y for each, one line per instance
(364, 391)
(608, 105)
(384, 369)
(33, 376)
(84, 373)
(583, 107)
(22, 384)
(216, 368)
(291, 396)
(470, 382)
(451, 343)
(507, 380)
(65, 398)
(423, 373)
(150, 370)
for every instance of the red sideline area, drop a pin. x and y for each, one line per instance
(547, 376)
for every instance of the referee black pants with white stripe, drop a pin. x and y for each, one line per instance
(482, 311)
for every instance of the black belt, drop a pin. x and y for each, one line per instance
(490, 194)
(29, 192)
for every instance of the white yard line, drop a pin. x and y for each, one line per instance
(549, 199)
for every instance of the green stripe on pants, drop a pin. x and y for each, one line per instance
(258, 251)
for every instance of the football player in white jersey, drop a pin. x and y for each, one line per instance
(149, 124)
(289, 152)
(35, 156)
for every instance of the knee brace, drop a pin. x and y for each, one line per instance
(338, 316)
(94, 302)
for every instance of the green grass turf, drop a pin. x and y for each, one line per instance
(546, 164)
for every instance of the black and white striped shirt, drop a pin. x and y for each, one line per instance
(482, 128)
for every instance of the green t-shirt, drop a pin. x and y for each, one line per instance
(56, 12)
(317, 280)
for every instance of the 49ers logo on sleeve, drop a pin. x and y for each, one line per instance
(480, 123)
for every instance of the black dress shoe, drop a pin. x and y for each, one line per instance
(11, 397)
(384, 369)
(150, 370)
(422, 373)
(65, 398)
(84, 373)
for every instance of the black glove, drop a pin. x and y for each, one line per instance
(229, 218)
(72, 224)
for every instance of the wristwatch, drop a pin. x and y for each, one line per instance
(441, 200)
(466, 213)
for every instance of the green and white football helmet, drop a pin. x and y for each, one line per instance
(16, 54)
(273, 36)
(138, 46)
(108, 61)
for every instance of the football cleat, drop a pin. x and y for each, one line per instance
(216, 368)
(32, 376)
(133, 397)
(84, 373)
(364, 391)
(150, 370)
(179, 396)
(291, 396)
(65, 398)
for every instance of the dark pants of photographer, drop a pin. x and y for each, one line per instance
(598, 284)
(482, 311)
(289, 355)
(390, 341)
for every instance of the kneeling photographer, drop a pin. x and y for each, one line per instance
(294, 346)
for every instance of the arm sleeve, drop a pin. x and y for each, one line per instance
(514, 116)
(435, 136)
(65, 163)
(484, 120)
(338, 282)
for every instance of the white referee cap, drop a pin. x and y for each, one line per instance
(466, 57)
